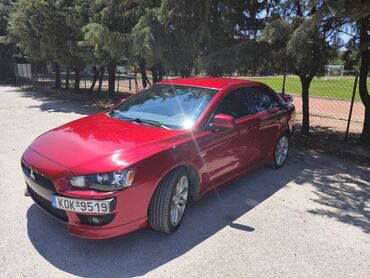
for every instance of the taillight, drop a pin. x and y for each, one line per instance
(287, 98)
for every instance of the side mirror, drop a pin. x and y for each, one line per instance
(224, 121)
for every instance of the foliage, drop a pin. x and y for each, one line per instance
(7, 49)
(300, 47)
(358, 11)
(181, 37)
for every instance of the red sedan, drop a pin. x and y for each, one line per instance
(141, 162)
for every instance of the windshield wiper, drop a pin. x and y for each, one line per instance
(148, 122)
(114, 113)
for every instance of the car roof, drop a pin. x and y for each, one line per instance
(208, 82)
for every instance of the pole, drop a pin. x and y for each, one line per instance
(283, 89)
(43, 77)
(351, 108)
(118, 77)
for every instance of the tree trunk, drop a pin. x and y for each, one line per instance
(95, 78)
(364, 70)
(154, 71)
(111, 80)
(67, 80)
(101, 77)
(57, 75)
(144, 77)
(365, 135)
(186, 71)
(305, 82)
(76, 85)
(160, 72)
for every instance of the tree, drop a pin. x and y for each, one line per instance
(149, 42)
(301, 48)
(364, 29)
(358, 12)
(107, 35)
(309, 52)
(7, 49)
(183, 23)
(45, 32)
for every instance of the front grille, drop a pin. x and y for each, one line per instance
(38, 178)
(46, 205)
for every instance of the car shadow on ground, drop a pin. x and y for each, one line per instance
(340, 191)
(59, 103)
(142, 251)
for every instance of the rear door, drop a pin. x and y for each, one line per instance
(271, 118)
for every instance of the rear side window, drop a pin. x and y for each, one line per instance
(261, 99)
(247, 101)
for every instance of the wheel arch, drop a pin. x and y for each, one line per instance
(192, 174)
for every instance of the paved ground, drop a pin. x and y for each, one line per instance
(308, 219)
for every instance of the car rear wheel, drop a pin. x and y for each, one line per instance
(281, 151)
(169, 201)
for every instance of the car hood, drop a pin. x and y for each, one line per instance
(104, 143)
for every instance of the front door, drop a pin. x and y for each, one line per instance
(227, 150)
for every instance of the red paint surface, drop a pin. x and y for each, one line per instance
(98, 143)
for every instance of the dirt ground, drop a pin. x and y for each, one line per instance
(332, 113)
(310, 218)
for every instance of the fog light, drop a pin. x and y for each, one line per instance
(95, 220)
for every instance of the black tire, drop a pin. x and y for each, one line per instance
(275, 160)
(160, 206)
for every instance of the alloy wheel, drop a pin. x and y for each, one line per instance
(179, 199)
(281, 151)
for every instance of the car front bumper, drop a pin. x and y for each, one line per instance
(73, 221)
(48, 178)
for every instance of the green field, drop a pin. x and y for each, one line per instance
(339, 88)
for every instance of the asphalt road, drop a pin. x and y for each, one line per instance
(309, 219)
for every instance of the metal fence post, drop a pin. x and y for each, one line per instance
(283, 89)
(43, 77)
(27, 74)
(118, 77)
(16, 73)
(351, 108)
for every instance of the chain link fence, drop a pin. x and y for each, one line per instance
(330, 98)
(44, 76)
(329, 104)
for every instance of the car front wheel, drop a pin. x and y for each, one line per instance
(169, 201)
(281, 151)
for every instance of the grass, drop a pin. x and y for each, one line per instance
(338, 88)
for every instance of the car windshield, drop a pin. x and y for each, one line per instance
(167, 106)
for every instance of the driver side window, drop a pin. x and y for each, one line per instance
(234, 104)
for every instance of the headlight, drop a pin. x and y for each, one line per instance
(105, 181)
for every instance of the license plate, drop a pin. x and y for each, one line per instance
(80, 205)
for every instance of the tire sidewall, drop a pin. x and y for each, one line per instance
(179, 174)
(274, 164)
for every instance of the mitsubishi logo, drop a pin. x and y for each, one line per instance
(32, 176)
